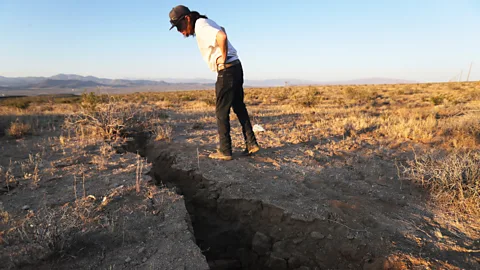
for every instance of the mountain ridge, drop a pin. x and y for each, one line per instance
(78, 81)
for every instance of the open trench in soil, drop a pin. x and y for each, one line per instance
(250, 234)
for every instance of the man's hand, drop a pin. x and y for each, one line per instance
(223, 44)
(221, 60)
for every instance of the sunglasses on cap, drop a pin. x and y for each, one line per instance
(178, 23)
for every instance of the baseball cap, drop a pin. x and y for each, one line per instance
(177, 14)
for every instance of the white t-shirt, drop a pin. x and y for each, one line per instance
(206, 33)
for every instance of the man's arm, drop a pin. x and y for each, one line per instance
(223, 44)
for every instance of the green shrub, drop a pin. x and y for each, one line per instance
(90, 100)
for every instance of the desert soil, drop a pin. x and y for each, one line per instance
(325, 191)
(310, 206)
(111, 226)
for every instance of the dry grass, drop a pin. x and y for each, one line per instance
(440, 116)
(163, 132)
(112, 118)
(325, 121)
(52, 230)
(454, 180)
(19, 129)
(72, 170)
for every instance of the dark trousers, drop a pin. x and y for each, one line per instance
(229, 93)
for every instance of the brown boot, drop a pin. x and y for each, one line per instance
(250, 150)
(220, 155)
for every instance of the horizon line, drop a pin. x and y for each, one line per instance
(286, 80)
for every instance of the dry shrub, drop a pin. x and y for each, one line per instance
(415, 127)
(473, 94)
(282, 94)
(464, 131)
(19, 103)
(113, 119)
(25, 102)
(455, 86)
(103, 159)
(4, 219)
(31, 167)
(209, 101)
(437, 99)
(90, 101)
(7, 176)
(200, 104)
(19, 129)
(163, 132)
(187, 97)
(407, 90)
(453, 179)
(308, 98)
(359, 94)
(52, 231)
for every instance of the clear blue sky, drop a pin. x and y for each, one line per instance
(424, 40)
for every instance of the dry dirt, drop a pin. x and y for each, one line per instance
(285, 209)
(325, 192)
(84, 212)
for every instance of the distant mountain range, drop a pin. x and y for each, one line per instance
(72, 82)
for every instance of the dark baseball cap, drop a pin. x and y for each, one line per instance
(177, 14)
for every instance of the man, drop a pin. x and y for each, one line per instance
(222, 58)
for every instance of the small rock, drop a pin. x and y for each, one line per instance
(26, 207)
(144, 259)
(106, 180)
(280, 248)
(350, 236)
(275, 262)
(317, 235)
(128, 259)
(261, 243)
(297, 240)
(141, 250)
(330, 237)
